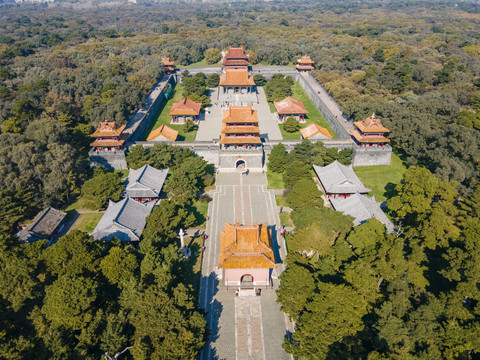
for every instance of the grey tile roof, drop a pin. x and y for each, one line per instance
(43, 225)
(145, 182)
(337, 178)
(124, 220)
(362, 209)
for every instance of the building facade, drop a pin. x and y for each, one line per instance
(304, 64)
(235, 58)
(370, 132)
(184, 110)
(108, 137)
(289, 107)
(145, 184)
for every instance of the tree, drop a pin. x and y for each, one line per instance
(278, 159)
(291, 125)
(213, 80)
(188, 126)
(212, 56)
(69, 301)
(294, 171)
(104, 186)
(259, 79)
(119, 265)
(303, 194)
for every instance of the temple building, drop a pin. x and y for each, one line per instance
(240, 128)
(314, 132)
(362, 209)
(46, 225)
(163, 133)
(290, 107)
(246, 255)
(339, 181)
(184, 110)
(370, 132)
(235, 58)
(108, 136)
(123, 220)
(236, 82)
(168, 65)
(145, 184)
(305, 64)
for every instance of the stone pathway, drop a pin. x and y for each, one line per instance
(249, 328)
(209, 127)
(268, 124)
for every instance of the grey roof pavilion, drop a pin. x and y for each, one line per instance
(337, 178)
(43, 226)
(146, 182)
(362, 209)
(123, 220)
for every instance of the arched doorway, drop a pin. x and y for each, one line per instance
(246, 281)
(240, 164)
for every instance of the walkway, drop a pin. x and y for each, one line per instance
(209, 128)
(241, 329)
(268, 124)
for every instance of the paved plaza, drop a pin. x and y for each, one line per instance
(209, 127)
(242, 327)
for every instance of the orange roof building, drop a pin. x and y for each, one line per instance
(290, 107)
(163, 133)
(235, 58)
(183, 110)
(108, 136)
(168, 65)
(305, 63)
(236, 78)
(370, 132)
(315, 131)
(246, 255)
(240, 128)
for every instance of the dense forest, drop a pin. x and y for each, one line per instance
(410, 295)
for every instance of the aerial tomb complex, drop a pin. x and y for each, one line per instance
(108, 136)
(289, 107)
(370, 132)
(304, 64)
(246, 255)
(184, 110)
(315, 132)
(163, 133)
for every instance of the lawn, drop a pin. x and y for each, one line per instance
(382, 178)
(122, 173)
(195, 261)
(285, 219)
(281, 200)
(163, 118)
(275, 180)
(87, 222)
(313, 115)
(199, 209)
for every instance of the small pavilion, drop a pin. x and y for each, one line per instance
(183, 110)
(168, 65)
(339, 181)
(314, 132)
(163, 133)
(305, 64)
(370, 132)
(240, 128)
(246, 255)
(108, 136)
(236, 81)
(290, 107)
(235, 58)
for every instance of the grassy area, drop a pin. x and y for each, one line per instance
(199, 209)
(87, 222)
(195, 261)
(163, 118)
(285, 219)
(281, 200)
(313, 115)
(200, 64)
(122, 173)
(382, 178)
(275, 180)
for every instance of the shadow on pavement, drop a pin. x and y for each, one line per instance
(213, 312)
(275, 245)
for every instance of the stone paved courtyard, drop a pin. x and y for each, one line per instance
(242, 327)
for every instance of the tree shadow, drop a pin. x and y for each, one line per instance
(275, 243)
(213, 311)
(390, 190)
